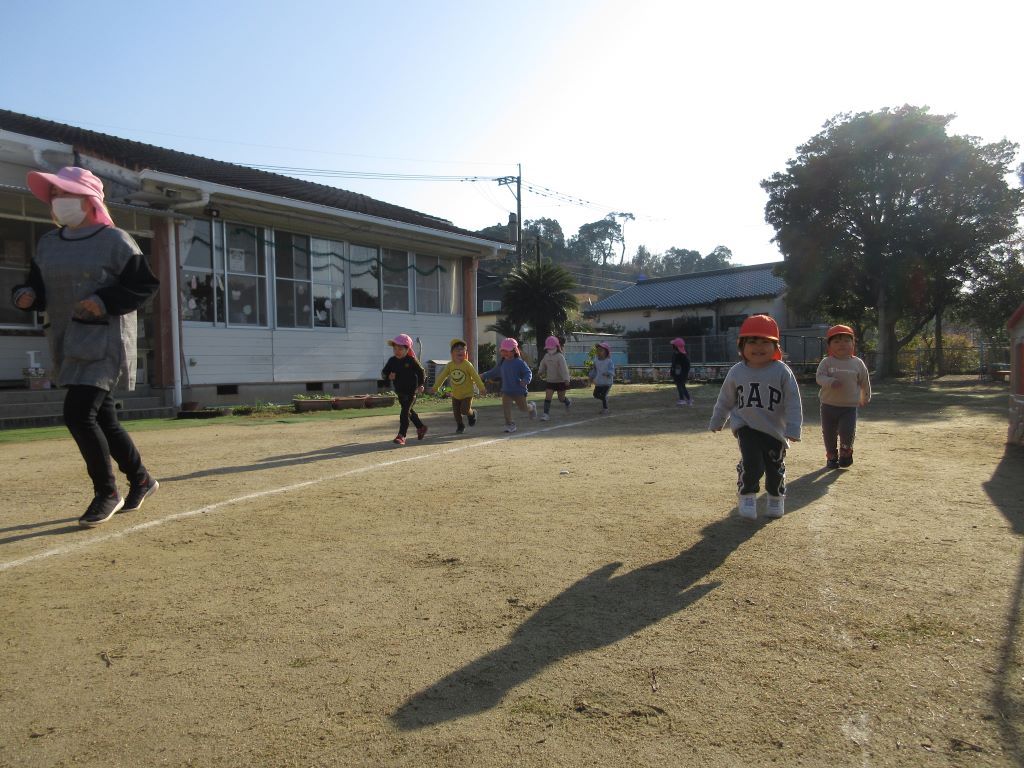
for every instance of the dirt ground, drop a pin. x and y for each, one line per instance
(582, 594)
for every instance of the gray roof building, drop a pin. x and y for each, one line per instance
(699, 289)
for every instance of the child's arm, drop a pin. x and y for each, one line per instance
(725, 402)
(793, 407)
(824, 380)
(439, 379)
(476, 379)
(527, 374)
(865, 385)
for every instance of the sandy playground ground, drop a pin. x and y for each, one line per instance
(580, 594)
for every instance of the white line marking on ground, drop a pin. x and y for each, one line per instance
(82, 544)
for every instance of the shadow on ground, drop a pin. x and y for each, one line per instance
(1006, 489)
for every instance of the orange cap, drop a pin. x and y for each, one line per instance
(836, 330)
(762, 326)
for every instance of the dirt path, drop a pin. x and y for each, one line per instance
(579, 595)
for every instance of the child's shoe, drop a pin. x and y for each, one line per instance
(776, 506)
(421, 432)
(846, 461)
(680, 402)
(832, 462)
(460, 429)
(604, 411)
(399, 440)
(544, 417)
(567, 403)
(510, 427)
(748, 506)
(533, 410)
(472, 418)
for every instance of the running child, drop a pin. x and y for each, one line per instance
(462, 375)
(602, 373)
(406, 375)
(681, 370)
(515, 377)
(845, 386)
(761, 400)
(555, 372)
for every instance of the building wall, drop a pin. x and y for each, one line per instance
(640, 320)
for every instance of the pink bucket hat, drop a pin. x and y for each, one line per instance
(509, 345)
(403, 340)
(74, 181)
(605, 346)
(551, 342)
(679, 343)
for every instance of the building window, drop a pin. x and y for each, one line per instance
(395, 278)
(438, 286)
(17, 243)
(364, 277)
(246, 270)
(328, 263)
(491, 305)
(293, 280)
(202, 281)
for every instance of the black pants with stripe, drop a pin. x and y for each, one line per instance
(761, 455)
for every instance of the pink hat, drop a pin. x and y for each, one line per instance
(403, 340)
(679, 343)
(551, 342)
(605, 346)
(509, 345)
(74, 181)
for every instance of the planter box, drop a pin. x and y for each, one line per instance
(302, 406)
(348, 401)
(37, 382)
(380, 401)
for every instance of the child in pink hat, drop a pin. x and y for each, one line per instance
(602, 373)
(555, 371)
(681, 370)
(91, 278)
(515, 377)
(406, 375)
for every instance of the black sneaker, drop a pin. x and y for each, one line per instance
(832, 464)
(845, 461)
(102, 509)
(139, 493)
(460, 429)
(472, 418)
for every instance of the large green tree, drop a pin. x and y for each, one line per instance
(594, 242)
(539, 295)
(886, 212)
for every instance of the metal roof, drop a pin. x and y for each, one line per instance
(697, 289)
(138, 156)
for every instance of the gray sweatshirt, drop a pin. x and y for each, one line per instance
(766, 399)
(603, 372)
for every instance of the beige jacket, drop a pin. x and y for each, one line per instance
(553, 368)
(852, 374)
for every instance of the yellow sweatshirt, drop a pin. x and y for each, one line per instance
(463, 376)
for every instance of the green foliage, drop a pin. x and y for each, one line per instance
(886, 211)
(539, 295)
(313, 396)
(993, 297)
(486, 356)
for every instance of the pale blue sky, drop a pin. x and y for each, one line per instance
(669, 110)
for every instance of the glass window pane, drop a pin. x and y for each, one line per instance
(16, 248)
(244, 249)
(365, 277)
(449, 278)
(198, 298)
(395, 277)
(245, 300)
(329, 306)
(426, 283)
(197, 243)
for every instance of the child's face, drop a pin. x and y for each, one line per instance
(400, 352)
(758, 352)
(506, 354)
(458, 353)
(602, 353)
(841, 345)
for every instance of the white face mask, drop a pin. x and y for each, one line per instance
(68, 211)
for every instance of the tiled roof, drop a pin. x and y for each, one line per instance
(695, 290)
(138, 156)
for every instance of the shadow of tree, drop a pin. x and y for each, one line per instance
(596, 611)
(1005, 490)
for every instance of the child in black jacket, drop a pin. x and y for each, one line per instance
(681, 371)
(406, 376)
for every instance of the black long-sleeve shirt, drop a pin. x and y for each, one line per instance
(409, 374)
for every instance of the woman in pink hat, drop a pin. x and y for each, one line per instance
(406, 375)
(681, 370)
(90, 278)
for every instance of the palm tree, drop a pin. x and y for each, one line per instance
(539, 295)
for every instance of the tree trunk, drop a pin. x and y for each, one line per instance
(886, 339)
(940, 360)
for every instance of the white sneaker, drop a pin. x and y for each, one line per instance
(604, 411)
(680, 402)
(748, 506)
(544, 417)
(776, 506)
(533, 410)
(510, 427)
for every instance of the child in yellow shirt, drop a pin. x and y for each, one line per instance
(462, 375)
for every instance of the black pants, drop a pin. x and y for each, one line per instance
(407, 400)
(92, 421)
(838, 422)
(761, 455)
(601, 393)
(681, 389)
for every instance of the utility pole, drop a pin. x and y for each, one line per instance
(519, 209)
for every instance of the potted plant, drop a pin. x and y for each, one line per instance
(349, 401)
(312, 401)
(382, 400)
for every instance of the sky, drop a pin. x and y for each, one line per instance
(671, 111)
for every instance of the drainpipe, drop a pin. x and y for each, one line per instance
(172, 252)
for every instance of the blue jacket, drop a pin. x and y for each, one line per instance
(511, 372)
